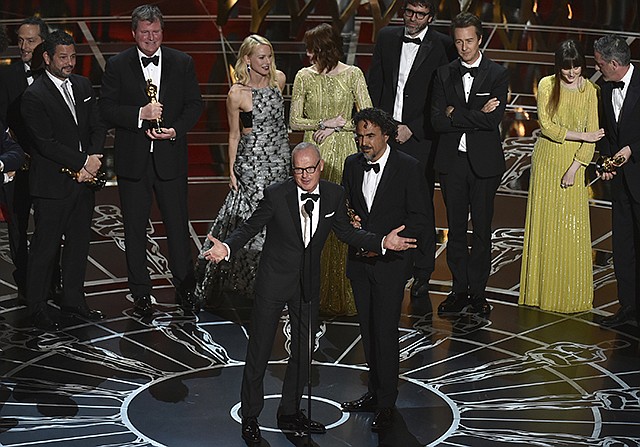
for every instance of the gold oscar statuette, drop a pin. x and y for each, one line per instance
(152, 93)
(96, 183)
(609, 164)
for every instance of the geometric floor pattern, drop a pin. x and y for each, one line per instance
(519, 377)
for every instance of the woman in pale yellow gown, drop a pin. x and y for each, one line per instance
(557, 271)
(322, 103)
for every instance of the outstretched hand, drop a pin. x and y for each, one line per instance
(217, 252)
(398, 243)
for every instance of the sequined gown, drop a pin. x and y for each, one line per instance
(263, 157)
(318, 97)
(557, 271)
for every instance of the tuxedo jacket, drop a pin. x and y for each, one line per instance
(56, 135)
(13, 83)
(383, 79)
(625, 132)
(123, 92)
(399, 200)
(11, 154)
(484, 142)
(284, 261)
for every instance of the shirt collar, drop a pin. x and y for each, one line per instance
(420, 35)
(157, 53)
(627, 76)
(475, 64)
(57, 82)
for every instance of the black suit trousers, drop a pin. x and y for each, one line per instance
(626, 244)
(464, 192)
(71, 217)
(264, 324)
(136, 197)
(379, 301)
(19, 203)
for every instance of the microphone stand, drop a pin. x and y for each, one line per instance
(308, 207)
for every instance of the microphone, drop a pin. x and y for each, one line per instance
(308, 207)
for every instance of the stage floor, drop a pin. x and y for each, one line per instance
(520, 376)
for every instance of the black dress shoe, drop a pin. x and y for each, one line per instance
(299, 423)
(455, 303)
(142, 306)
(187, 301)
(44, 322)
(251, 431)
(625, 314)
(478, 305)
(383, 419)
(420, 287)
(83, 311)
(367, 402)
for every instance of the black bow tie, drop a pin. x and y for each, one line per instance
(29, 73)
(617, 84)
(369, 166)
(150, 60)
(473, 71)
(407, 39)
(309, 195)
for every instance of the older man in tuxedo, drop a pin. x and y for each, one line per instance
(386, 189)
(61, 113)
(14, 79)
(149, 160)
(621, 108)
(399, 80)
(298, 214)
(469, 99)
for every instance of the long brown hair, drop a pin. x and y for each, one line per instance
(568, 55)
(326, 45)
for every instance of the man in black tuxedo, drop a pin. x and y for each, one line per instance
(385, 188)
(621, 110)
(61, 113)
(14, 79)
(288, 274)
(469, 99)
(400, 85)
(149, 161)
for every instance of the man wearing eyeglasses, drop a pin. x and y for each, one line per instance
(399, 84)
(299, 214)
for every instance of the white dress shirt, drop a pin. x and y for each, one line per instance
(371, 179)
(467, 83)
(619, 94)
(304, 217)
(407, 57)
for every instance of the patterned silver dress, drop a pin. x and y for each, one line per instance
(263, 157)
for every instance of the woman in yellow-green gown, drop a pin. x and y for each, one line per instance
(322, 102)
(557, 272)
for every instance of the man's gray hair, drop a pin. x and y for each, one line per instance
(613, 48)
(302, 146)
(146, 13)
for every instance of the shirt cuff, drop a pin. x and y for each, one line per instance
(382, 249)
(226, 258)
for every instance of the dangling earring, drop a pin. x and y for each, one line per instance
(249, 68)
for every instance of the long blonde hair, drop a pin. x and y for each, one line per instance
(249, 44)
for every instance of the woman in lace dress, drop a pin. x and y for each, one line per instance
(259, 155)
(322, 102)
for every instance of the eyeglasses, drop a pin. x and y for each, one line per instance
(308, 170)
(420, 15)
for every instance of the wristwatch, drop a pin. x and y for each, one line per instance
(321, 125)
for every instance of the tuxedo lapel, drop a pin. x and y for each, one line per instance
(632, 96)
(481, 75)
(423, 52)
(385, 182)
(395, 47)
(456, 78)
(136, 71)
(292, 202)
(80, 105)
(607, 106)
(358, 174)
(57, 97)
